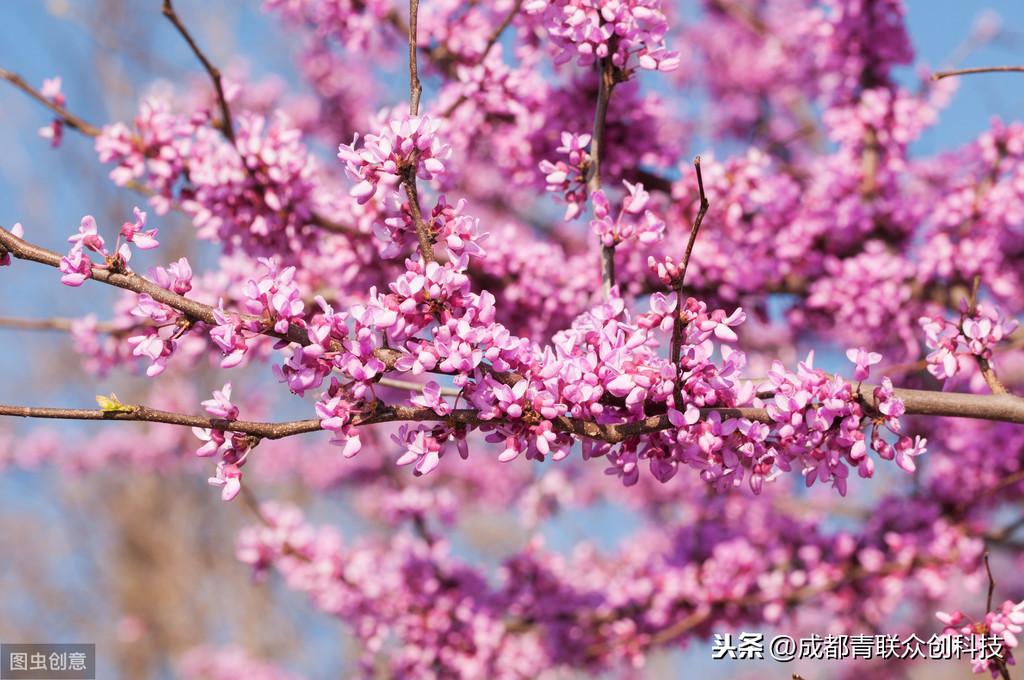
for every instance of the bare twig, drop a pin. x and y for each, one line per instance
(607, 80)
(677, 324)
(415, 89)
(226, 125)
(991, 584)
(500, 28)
(701, 212)
(408, 173)
(140, 413)
(55, 324)
(971, 71)
(1000, 663)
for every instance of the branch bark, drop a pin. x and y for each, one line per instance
(68, 118)
(998, 407)
(226, 126)
(971, 71)
(606, 83)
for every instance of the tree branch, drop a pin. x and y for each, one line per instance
(971, 71)
(1000, 407)
(226, 126)
(55, 324)
(408, 173)
(146, 414)
(677, 325)
(68, 118)
(415, 89)
(606, 83)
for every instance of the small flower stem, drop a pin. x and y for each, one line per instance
(606, 84)
(984, 365)
(415, 89)
(972, 71)
(226, 125)
(677, 325)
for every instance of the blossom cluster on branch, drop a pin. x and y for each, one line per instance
(457, 344)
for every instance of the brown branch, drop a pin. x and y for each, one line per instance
(415, 89)
(971, 71)
(491, 42)
(226, 126)
(704, 205)
(146, 414)
(408, 178)
(607, 80)
(991, 584)
(55, 324)
(77, 123)
(999, 662)
(500, 28)
(408, 173)
(677, 324)
(987, 372)
(68, 118)
(998, 407)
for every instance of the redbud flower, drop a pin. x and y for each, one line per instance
(55, 130)
(405, 141)
(221, 405)
(75, 267)
(229, 478)
(133, 232)
(863, 360)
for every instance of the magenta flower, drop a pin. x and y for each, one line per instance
(221, 405)
(863, 361)
(133, 232)
(76, 267)
(51, 90)
(229, 478)
(405, 141)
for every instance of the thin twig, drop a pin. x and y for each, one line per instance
(491, 42)
(984, 365)
(415, 89)
(606, 83)
(983, 69)
(991, 584)
(57, 324)
(704, 205)
(68, 118)
(227, 127)
(677, 324)
(1000, 662)
(408, 173)
(500, 28)
(139, 413)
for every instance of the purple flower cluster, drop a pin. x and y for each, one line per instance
(617, 29)
(404, 142)
(974, 335)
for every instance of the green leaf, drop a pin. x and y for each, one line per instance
(112, 404)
